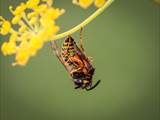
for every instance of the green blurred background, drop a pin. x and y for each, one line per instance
(124, 44)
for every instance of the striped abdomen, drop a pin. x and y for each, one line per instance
(68, 49)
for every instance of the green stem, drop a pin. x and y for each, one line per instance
(85, 22)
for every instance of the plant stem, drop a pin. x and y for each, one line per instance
(85, 22)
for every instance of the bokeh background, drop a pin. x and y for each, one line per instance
(124, 43)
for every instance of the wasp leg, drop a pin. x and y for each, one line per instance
(75, 70)
(81, 45)
(81, 41)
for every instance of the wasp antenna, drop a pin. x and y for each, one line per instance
(94, 85)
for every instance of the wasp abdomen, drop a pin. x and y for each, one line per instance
(68, 50)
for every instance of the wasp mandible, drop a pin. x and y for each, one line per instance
(76, 62)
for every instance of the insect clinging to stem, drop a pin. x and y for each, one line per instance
(76, 62)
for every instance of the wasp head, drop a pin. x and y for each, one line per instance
(83, 80)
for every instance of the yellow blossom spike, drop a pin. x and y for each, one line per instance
(83, 3)
(99, 3)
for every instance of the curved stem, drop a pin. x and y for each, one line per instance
(85, 22)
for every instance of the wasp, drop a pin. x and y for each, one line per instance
(76, 62)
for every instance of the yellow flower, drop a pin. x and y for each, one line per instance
(86, 3)
(25, 36)
(83, 3)
(22, 29)
(20, 9)
(5, 26)
(36, 42)
(33, 20)
(35, 28)
(32, 3)
(31, 14)
(21, 58)
(8, 48)
(40, 9)
(99, 3)
(52, 14)
(22, 55)
(16, 19)
(13, 37)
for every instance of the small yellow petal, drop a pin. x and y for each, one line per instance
(50, 32)
(32, 14)
(4, 48)
(22, 29)
(20, 9)
(21, 58)
(32, 3)
(32, 51)
(33, 20)
(99, 3)
(25, 36)
(36, 42)
(8, 48)
(16, 19)
(41, 8)
(83, 3)
(22, 54)
(46, 22)
(13, 37)
(5, 26)
(52, 13)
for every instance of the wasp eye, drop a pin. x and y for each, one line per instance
(79, 81)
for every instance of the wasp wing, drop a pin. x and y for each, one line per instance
(57, 52)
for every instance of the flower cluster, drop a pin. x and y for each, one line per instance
(32, 25)
(86, 3)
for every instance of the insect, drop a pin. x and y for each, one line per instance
(76, 62)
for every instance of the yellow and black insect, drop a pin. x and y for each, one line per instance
(76, 62)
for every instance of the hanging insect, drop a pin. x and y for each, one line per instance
(76, 62)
